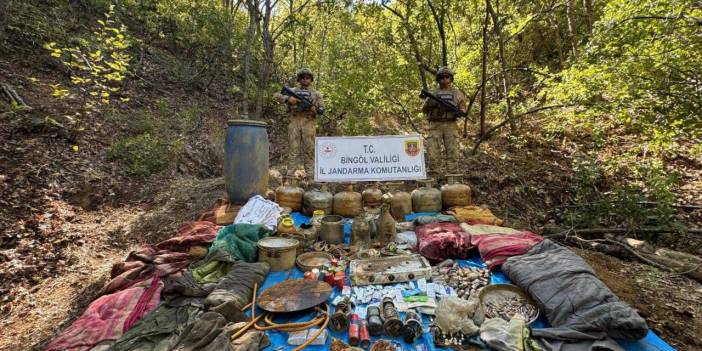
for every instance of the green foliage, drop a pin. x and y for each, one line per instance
(144, 154)
(357, 126)
(645, 198)
(628, 72)
(24, 25)
(192, 43)
(153, 138)
(639, 74)
(98, 65)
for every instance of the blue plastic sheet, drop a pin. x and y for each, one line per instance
(279, 339)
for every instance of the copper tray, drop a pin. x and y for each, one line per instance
(294, 295)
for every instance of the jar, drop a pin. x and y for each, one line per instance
(455, 194)
(289, 194)
(347, 203)
(372, 196)
(400, 203)
(426, 198)
(317, 198)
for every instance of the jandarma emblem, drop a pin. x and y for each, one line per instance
(412, 147)
(328, 150)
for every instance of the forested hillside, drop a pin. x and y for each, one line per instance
(582, 114)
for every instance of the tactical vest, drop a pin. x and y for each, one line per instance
(301, 106)
(440, 113)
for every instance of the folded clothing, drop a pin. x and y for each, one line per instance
(578, 305)
(226, 295)
(433, 218)
(200, 233)
(234, 291)
(212, 332)
(441, 240)
(496, 248)
(201, 278)
(213, 267)
(501, 335)
(159, 330)
(474, 215)
(486, 229)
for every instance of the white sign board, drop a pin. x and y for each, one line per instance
(369, 158)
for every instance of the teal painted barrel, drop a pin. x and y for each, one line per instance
(245, 160)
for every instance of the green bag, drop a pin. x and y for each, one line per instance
(239, 240)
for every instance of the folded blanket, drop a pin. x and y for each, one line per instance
(190, 234)
(108, 317)
(496, 248)
(474, 215)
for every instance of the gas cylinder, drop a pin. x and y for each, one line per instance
(289, 194)
(454, 193)
(387, 231)
(347, 203)
(426, 198)
(372, 196)
(317, 198)
(360, 230)
(400, 203)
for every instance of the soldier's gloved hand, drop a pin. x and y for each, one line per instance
(292, 100)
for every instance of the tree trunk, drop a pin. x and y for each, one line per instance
(571, 34)
(559, 43)
(318, 80)
(589, 15)
(417, 57)
(294, 42)
(439, 19)
(483, 71)
(413, 41)
(252, 8)
(268, 56)
(497, 28)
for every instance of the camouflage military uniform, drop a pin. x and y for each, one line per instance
(443, 129)
(302, 129)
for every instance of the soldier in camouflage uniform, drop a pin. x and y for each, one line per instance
(442, 125)
(302, 127)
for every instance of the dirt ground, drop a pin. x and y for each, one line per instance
(38, 313)
(670, 304)
(33, 315)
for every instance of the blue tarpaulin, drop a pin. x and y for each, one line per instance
(279, 339)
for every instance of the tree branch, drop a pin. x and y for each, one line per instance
(490, 131)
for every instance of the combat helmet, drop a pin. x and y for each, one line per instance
(304, 72)
(444, 71)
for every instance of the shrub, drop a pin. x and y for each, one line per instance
(143, 153)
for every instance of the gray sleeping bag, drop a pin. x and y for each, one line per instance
(584, 313)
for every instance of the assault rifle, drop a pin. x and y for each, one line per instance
(304, 103)
(449, 106)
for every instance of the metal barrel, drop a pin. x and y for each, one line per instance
(246, 160)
